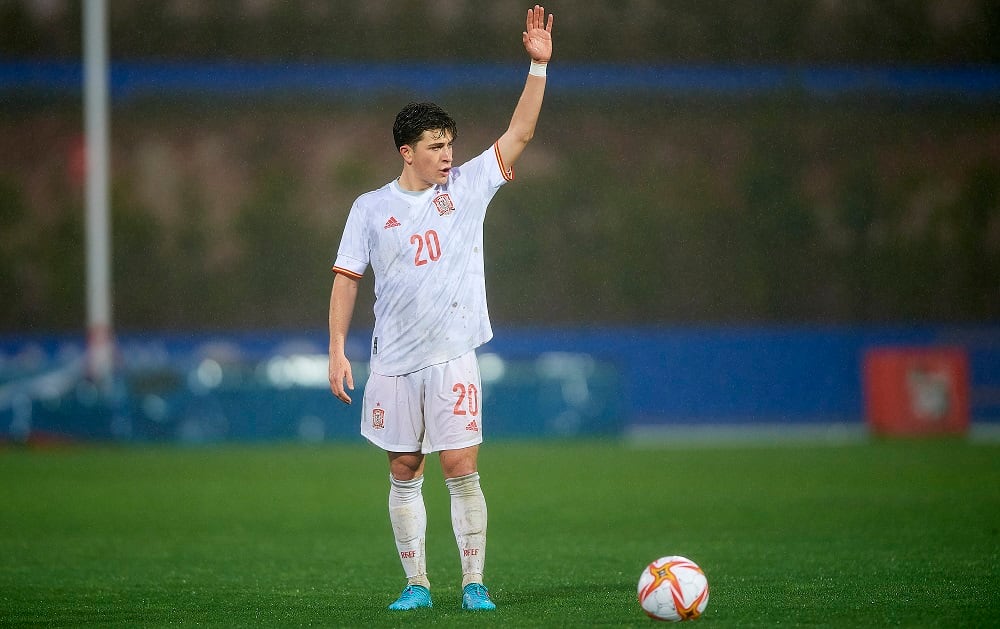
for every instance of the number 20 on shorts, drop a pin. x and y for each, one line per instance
(468, 399)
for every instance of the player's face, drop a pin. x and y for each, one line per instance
(432, 156)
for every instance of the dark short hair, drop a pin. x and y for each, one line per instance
(415, 118)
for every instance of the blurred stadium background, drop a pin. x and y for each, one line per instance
(727, 206)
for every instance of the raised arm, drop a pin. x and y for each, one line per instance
(537, 39)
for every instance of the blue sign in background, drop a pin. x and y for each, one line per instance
(137, 79)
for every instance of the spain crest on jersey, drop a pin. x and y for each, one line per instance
(378, 418)
(444, 204)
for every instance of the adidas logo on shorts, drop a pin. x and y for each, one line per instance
(473, 426)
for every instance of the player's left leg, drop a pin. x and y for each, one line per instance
(454, 429)
(468, 511)
(468, 519)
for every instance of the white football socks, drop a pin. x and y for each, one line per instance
(409, 526)
(468, 519)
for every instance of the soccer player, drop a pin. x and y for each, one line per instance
(422, 234)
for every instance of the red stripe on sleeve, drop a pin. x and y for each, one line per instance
(508, 173)
(346, 273)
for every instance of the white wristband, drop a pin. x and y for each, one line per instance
(537, 69)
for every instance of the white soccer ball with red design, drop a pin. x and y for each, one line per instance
(673, 588)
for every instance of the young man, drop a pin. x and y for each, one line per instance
(422, 234)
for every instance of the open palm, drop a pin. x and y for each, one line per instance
(537, 35)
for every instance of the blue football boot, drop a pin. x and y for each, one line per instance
(413, 597)
(475, 597)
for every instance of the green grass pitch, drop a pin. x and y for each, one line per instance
(902, 533)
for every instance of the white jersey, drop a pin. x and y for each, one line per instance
(426, 250)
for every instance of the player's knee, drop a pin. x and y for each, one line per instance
(455, 463)
(406, 466)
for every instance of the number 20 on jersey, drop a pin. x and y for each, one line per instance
(428, 247)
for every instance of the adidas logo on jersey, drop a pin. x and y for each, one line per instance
(473, 426)
(392, 222)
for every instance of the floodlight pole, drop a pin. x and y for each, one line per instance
(100, 340)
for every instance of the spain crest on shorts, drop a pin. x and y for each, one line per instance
(378, 418)
(444, 204)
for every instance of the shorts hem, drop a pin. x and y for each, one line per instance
(395, 447)
(450, 446)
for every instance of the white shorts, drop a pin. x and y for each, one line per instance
(436, 408)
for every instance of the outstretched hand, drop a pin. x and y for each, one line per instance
(537, 36)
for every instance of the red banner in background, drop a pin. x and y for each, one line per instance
(916, 391)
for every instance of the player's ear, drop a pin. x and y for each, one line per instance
(407, 153)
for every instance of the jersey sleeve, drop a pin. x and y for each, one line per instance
(507, 172)
(353, 255)
(486, 171)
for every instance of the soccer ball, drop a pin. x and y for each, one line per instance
(673, 588)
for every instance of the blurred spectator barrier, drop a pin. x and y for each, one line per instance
(557, 382)
(216, 389)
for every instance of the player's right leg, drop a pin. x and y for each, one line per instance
(408, 516)
(391, 419)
